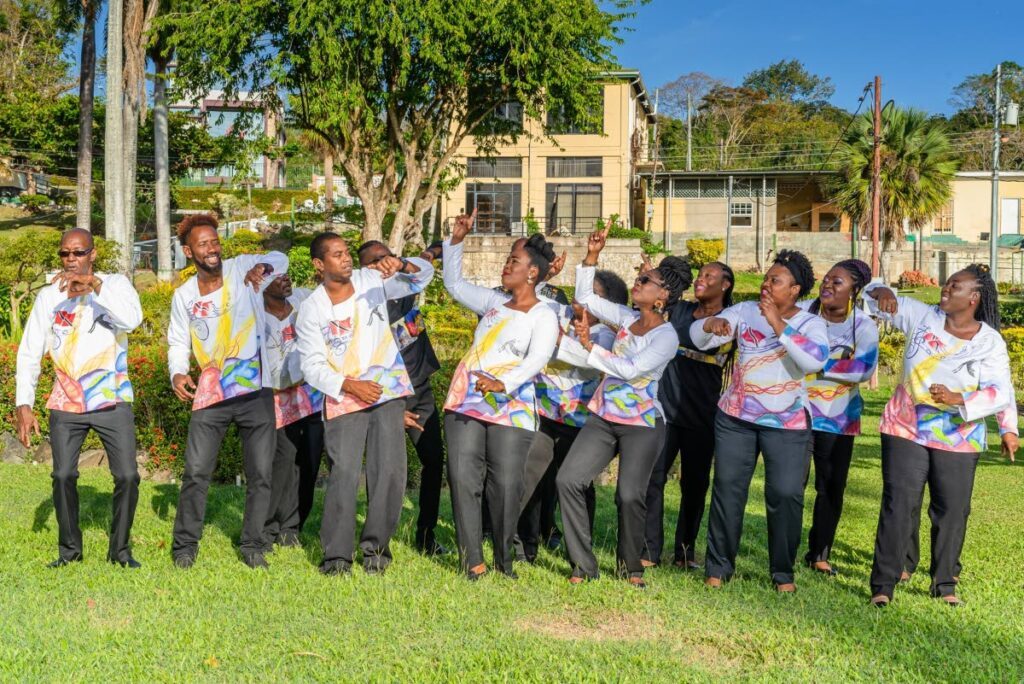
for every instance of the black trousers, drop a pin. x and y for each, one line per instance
(906, 468)
(831, 454)
(116, 429)
(785, 453)
(485, 457)
(430, 451)
(696, 448)
(253, 413)
(378, 432)
(551, 444)
(296, 465)
(595, 447)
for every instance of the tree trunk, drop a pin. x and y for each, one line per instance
(328, 186)
(162, 196)
(113, 166)
(86, 82)
(131, 150)
(15, 301)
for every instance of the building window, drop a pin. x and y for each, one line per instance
(944, 221)
(506, 118)
(557, 124)
(499, 167)
(498, 206)
(573, 206)
(713, 188)
(574, 167)
(742, 214)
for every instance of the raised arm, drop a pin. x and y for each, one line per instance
(119, 298)
(542, 345)
(274, 263)
(903, 312)
(474, 297)
(807, 345)
(412, 278)
(660, 350)
(714, 331)
(609, 312)
(861, 366)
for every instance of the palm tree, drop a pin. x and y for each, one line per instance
(161, 54)
(84, 11)
(917, 167)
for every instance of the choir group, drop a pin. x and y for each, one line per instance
(547, 395)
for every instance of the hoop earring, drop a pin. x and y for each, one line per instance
(529, 280)
(659, 308)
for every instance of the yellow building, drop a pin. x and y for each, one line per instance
(567, 184)
(968, 215)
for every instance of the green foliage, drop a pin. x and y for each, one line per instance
(917, 170)
(300, 267)
(789, 81)
(532, 224)
(701, 252)
(279, 201)
(225, 205)
(396, 85)
(34, 204)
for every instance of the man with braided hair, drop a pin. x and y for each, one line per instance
(764, 410)
(956, 372)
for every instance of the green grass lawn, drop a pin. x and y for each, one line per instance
(222, 621)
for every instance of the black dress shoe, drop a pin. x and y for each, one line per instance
(184, 561)
(335, 568)
(554, 541)
(256, 561)
(434, 549)
(510, 574)
(61, 562)
(288, 539)
(130, 563)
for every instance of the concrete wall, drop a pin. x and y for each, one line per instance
(485, 257)
(972, 203)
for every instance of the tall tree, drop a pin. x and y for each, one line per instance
(974, 97)
(916, 171)
(161, 54)
(396, 85)
(790, 81)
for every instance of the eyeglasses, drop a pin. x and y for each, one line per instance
(65, 253)
(644, 279)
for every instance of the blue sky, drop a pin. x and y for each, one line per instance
(922, 50)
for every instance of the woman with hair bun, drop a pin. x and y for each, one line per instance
(626, 417)
(764, 410)
(689, 392)
(490, 411)
(956, 372)
(835, 401)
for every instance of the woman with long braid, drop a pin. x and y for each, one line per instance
(956, 372)
(626, 417)
(764, 410)
(689, 392)
(835, 401)
(491, 408)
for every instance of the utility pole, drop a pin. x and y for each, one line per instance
(689, 132)
(993, 235)
(728, 222)
(876, 181)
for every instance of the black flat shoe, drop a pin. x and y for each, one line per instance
(130, 563)
(61, 562)
(184, 561)
(510, 574)
(288, 539)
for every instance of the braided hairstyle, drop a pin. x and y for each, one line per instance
(988, 296)
(731, 277)
(541, 252)
(861, 274)
(676, 277)
(799, 266)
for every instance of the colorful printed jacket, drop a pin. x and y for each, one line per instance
(768, 386)
(87, 338)
(294, 398)
(353, 339)
(978, 368)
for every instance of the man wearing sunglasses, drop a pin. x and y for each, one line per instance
(82, 320)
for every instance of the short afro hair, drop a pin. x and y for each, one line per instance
(799, 266)
(189, 223)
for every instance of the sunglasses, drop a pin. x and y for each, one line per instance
(644, 279)
(65, 253)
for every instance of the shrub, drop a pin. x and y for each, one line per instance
(1011, 314)
(34, 204)
(701, 252)
(910, 279)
